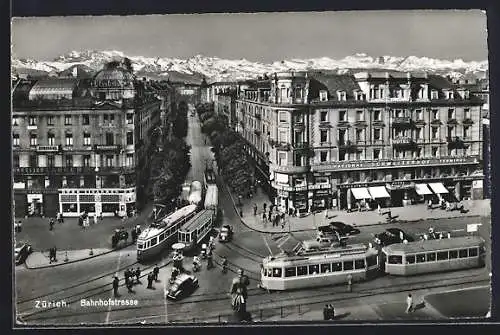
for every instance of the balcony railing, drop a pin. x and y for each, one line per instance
(107, 147)
(258, 116)
(402, 121)
(283, 146)
(69, 170)
(299, 126)
(301, 145)
(452, 121)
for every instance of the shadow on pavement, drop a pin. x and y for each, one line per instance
(341, 316)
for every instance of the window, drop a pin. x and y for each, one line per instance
(67, 120)
(451, 113)
(420, 258)
(473, 252)
(323, 116)
(284, 92)
(33, 140)
(451, 95)
(434, 94)
(68, 161)
(33, 160)
(442, 255)
(283, 136)
(348, 265)
(283, 117)
(86, 161)
(130, 138)
(161, 237)
(431, 257)
(109, 160)
(377, 115)
(376, 154)
(15, 121)
(130, 160)
(360, 116)
(323, 136)
(298, 92)
(359, 264)
(153, 241)
(466, 113)
(342, 137)
(462, 253)
(360, 135)
(434, 133)
(282, 161)
(15, 139)
(85, 119)
(326, 268)
(51, 161)
(313, 269)
(377, 134)
(130, 118)
(342, 155)
(50, 120)
(435, 114)
(371, 261)
(337, 266)
(301, 270)
(323, 156)
(342, 116)
(435, 152)
(420, 133)
(323, 95)
(298, 159)
(32, 121)
(420, 114)
(341, 95)
(86, 139)
(410, 259)
(395, 259)
(290, 272)
(110, 139)
(453, 254)
(418, 152)
(466, 131)
(69, 139)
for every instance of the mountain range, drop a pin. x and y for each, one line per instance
(216, 69)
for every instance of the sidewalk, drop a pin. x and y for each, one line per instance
(39, 260)
(310, 222)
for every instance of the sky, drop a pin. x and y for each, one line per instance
(263, 37)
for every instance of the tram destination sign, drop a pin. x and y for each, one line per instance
(349, 165)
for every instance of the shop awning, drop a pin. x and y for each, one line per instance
(422, 189)
(438, 188)
(360, 193)
(378, 192)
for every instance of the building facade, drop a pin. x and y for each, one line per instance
(325, 140)
(76, 142)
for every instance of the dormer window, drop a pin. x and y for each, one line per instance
(421, 92)
(450, 95)
(323, 96)
(434, 94)
(341, 95)
(359, 95)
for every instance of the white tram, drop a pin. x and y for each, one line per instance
(319, 267)
(160, 235)
(426, 256)
(212, 198)
(194, 231)
(195, 193)
(209, 177)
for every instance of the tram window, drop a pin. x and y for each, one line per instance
(410, 259)
(348, 265)
(442, 255)
(301, 270)
(313, 269)
(462, 253)
(269, 272)
(453, 254)
(420, 258)
(472, 252)
(162, 236)
(146, 245)
(337, 266)
(431, 257)
(290, 272)
(395, 259)
(326, 268)
(277, 272)
(139, 246)
(153, 241)
(359, 264)
(482, 250)
(371, 261)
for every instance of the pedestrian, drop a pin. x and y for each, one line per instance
(325, 313)
(264, 217)
(51, 255)
(95, 218)
(349, 283)
(429, 204)
(51, 224)
(326, 213)
(116, 282)
(134, 235)
(269, 217)
(379, 210)
(156, 271)
(138, 275)
(150, 280)
(332, 312)
(254, 209)
(241, 212)
(264, 205)
(409, 303)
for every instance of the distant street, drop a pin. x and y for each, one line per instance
(92, 278)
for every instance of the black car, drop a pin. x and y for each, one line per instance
(21, 252)
(183, 285)
(392, 236)
(344, 229)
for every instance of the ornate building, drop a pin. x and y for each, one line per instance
(327, 140)
(76, 142)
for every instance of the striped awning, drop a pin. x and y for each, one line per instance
(422, 189)
(438, 188)
(360, 193)
(378, 192)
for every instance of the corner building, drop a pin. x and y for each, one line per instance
(77, 142)
(324, 140)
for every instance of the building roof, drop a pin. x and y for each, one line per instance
(332, 83)
(440, 82)
(64, 86)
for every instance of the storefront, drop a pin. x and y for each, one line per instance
(402, 193)
(322, 199)
(35, 204)
(422, 193)
(380, 195)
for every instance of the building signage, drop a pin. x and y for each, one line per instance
(47, 148)
(349, 165)
(300, 188)
(107, 147)
(48, 170)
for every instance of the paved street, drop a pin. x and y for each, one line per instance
(381, 298)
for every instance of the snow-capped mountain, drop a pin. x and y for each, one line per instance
(214, 68)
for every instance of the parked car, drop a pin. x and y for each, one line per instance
(226, 233)
(344, 229)
(392, 236)
(182, 286)
(21, 251)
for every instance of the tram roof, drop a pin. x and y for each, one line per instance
(438, 244)
(320, 256)
(196, 220)
(179, 214)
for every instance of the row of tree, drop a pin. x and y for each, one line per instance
(228, 149)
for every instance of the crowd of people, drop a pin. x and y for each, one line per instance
(132, 277)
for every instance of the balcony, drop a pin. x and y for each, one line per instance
(455, 142)
(402, 141)
(301, 145)
(403, 121)
(325, 125)
(468, 121)
(345, 144)
(452, 122)
(32, 127)
(283, 146)
(53, 170)
(47, 148)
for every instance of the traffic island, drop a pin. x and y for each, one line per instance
(39, 260)
(465, 303)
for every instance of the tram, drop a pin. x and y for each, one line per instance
(319, 267)
(209, 177)
(212, 198)
(194, 231)
(195, 193)
(162, 234)
(440, 255)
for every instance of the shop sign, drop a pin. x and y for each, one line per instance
(464, 178)
(401, 185)
(477, 184)
(322, 192)
(344, 186)
(282, 194)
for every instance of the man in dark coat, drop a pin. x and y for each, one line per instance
(138, 275)
(116, 282)
(156, 271)
(150, 280)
